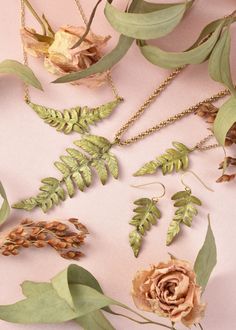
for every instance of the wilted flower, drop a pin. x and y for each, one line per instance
(170, 290)
(60, 58)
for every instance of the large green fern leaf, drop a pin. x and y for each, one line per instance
(77, 168)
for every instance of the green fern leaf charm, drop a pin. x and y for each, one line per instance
(174, 159)
(77, 168)
(146, 215)
(185, 202)
(76, 119)
(51, 193)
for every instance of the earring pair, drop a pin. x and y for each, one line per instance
(147, 213)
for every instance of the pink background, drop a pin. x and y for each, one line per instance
(29, 147)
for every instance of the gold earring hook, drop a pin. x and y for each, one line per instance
(150, 183)
(197, 177)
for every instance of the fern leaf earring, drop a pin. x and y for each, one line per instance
(146, 215)
(186, 204)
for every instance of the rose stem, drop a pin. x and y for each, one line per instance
(33, 12)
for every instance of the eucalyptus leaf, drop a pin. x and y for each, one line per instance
(4, 205)
(22, 71)
(147, 7)
(148, 25)
(47, 307)
(206, 259)
(219, 62)
(94, 320)
(225, 119)
(197, 55)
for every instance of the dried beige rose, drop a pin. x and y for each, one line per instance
(35, 44)
(170, 290)
(60, 58)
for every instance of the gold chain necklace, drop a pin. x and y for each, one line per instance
(77, 167)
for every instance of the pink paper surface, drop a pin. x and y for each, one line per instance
(29, 147)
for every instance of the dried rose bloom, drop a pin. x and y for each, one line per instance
(60, 58)
(170, 290)
(40, 234)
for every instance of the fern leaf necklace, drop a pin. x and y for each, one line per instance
(94, 154)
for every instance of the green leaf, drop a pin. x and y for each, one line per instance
(147, 7)
(172, 160)
(94, 320)
(77, 119)
(225, 119)
(4, 205)
(185, 202)
(21, 71)
(195, 55)
(31, 289)
(219, 62)
(46, 307)
(206, 258)
(146, 215)
(145, 26)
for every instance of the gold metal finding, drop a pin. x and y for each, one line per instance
(155, 199)
(197, 177)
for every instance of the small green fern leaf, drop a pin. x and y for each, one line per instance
(172, 160)
(74, 119)
(51, 193)
(146, 215)
(185, 202)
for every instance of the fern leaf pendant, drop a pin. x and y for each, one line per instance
(185, 202)
(174, 159)
(146, 215)
(77, 169)
(77, 119)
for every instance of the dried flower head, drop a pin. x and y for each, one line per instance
(60, 58)
(170, 290)
(40, 234)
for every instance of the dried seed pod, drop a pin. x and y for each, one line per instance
(39, 234)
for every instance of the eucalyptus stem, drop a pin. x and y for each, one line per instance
(148, 321)
(33, 12)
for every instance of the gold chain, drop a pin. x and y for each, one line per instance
(172, 119)
(169, 120)
(25, 57)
